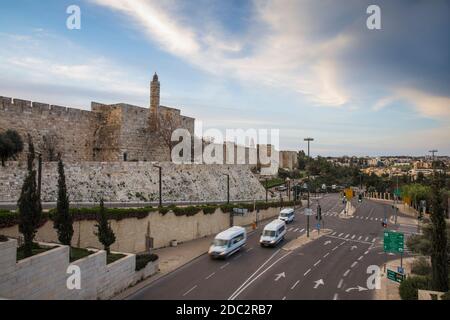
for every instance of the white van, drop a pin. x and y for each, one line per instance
(287, 215)
(273, 233)
(228, 242)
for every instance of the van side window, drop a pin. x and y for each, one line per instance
(281, 229)
(237, 239)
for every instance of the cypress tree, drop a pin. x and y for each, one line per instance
(104, 232)
(29, 204)
(63, 221)
(439, 236)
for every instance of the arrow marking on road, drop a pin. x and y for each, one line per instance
(279, 276)
(318, 283)
(327, 242)
(359, 288)
(353, 247)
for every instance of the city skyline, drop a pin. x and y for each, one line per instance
(305, 68)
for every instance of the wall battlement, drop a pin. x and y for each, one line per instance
(14, 105)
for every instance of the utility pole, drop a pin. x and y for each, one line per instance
(160, 184)
(228, 198)
(395, 203)
(307, 217)
(267, 191)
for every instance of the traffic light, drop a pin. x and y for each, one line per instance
(319, 213)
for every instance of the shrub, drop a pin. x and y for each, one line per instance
(143, 259)
(421, 267)
(209, 209)
(186, 211)
(8, 218)
(409, 287)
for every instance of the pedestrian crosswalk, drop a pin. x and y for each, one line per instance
(363, 238)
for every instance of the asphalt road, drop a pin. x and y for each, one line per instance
(335, 266)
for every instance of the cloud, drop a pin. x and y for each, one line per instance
(425, 104)
(278, 54)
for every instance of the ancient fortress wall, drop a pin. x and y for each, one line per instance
(74, 127)
(136, 181)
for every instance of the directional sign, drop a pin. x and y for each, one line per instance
(349, 193)
(401, 270)
(308, 212)
(394, 241)
(395, 276)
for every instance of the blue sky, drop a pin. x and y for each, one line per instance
(308, 68)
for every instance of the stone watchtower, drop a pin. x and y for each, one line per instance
(155, 88)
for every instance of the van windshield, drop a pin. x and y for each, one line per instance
(285, 214)
(220, 242)
(269, 233)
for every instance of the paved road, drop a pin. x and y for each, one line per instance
(331, 267)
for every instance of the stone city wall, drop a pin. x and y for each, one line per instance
(136, 182)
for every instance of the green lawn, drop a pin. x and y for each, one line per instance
(79, 253)
(110, 258)
(36, 250)
(273, 183)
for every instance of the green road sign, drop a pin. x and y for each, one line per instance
(394, 241)
(395, 276)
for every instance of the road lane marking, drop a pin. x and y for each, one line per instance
(284, 298)
(295, 284)
(340, 283)
(335, 248)
(340, 234)
(359, 259)
(359, 237)
(249, 249)
(335, 297)
(290, 229)
(367, 218)
(308, 271)
(225, 265)
(366, 252)
(365, 242)
(333, 233)
(367, 238)
(374, 240)
(237, 256)
(302, 230)
(296, 230)
(239, 291)
(353, 237)
(348, 235)
(346, 272)
(315, 264)
(354, 264)
(187, 292)
(326, 255)
(210, 276)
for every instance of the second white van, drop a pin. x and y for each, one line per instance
(273, 233)
(287, 215)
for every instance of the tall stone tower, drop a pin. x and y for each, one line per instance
(155, 89)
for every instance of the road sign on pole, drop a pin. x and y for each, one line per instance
(395, 276)
(394, 242)
(308, 212)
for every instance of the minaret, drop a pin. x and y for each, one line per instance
(155, 89)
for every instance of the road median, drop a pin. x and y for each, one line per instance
(303, 239)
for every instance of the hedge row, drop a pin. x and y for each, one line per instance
(143, 259)
(11, 218)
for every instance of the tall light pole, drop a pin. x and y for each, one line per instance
(307, 217)
(160, 184)
(228, 198)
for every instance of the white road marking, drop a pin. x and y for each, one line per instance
(315, 264)
(326, 255)
(333, 233)
(243, 287)
(340, 283)
(187, 292)
(340, 234)
(290, 229)
(334, 248)
(284, 298)
(296, 230)
(354, 264)
(367, 238)
(302, 230)
(359, 237)
(374, 240)
(225, 265)
(359, 259)
(295, 284)
(367, 218)
(371, 219)
(308, 271)
(346, 272)
(210, 276)
(353, 237)
(249, 249)
(347, 236)
(366, 252)
(335, 297)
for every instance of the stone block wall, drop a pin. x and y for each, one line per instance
(44, 276)
(131, 233)
(136, 182)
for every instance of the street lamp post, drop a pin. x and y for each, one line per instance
(307, 217)
(160, 184)
(228, 198)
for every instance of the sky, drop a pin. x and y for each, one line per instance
(308, 68)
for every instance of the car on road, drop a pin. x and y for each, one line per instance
(228, 242)
(287, 215)
(273, 233)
